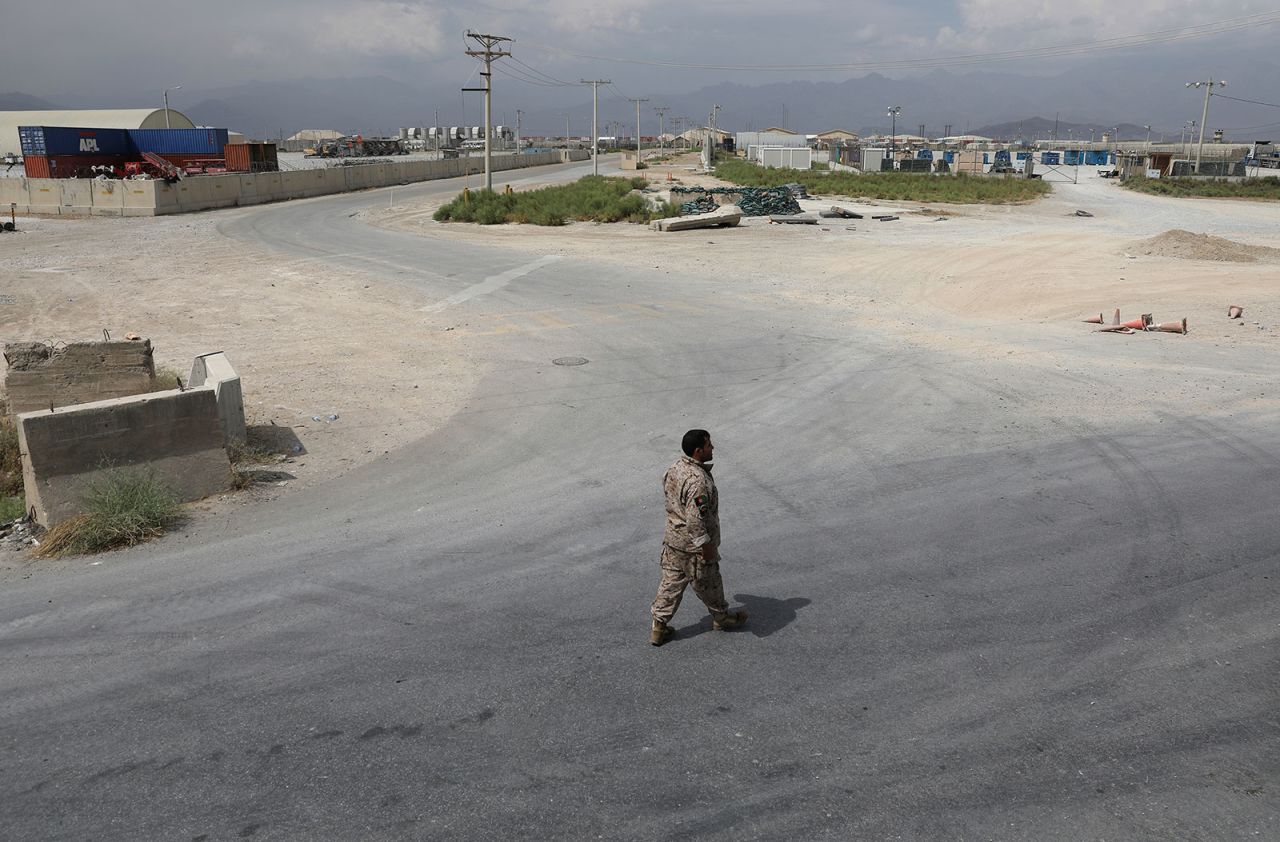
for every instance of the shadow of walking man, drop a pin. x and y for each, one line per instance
(768, 615)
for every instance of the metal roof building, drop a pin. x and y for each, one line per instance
(112, 118)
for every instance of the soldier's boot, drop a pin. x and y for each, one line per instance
(661, 633)
(730, 620)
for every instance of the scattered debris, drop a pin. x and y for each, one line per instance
(1083, 213)
(793, 220)
(19, 534)
(725, 215)
(1235, 311)
(837, 212)
(1170, 327)
(1143, 323)
(887, 217)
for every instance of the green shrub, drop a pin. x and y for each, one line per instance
(894, 186)
(10, 459)
(1251, 188)
(124, 508)
(12, 508)
(593, 198)
(166, 379)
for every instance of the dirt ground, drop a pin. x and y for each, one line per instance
(304, 355)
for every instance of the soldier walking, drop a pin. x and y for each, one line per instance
(691, 542)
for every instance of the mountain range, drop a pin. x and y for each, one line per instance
(995, 104)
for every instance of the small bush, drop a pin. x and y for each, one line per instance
(12, 508)
(166, 379)
(590, 199)
(1251, 188)
(124, 508)
(893, 186)
(10, 458)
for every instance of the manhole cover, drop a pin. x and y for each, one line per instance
(570, 361)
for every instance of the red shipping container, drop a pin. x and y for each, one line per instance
(36, 166)
(239, 158)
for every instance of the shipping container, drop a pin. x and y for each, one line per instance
(208, 142)
(252, 157)
(36, 166)
(80, 166)
(65, 140)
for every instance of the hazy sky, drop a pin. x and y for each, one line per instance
(67, 48)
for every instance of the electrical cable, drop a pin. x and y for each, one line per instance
(520, 76)
(1117, 43)
(1251, 101)
(536, 72)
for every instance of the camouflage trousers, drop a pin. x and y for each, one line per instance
(679, 570)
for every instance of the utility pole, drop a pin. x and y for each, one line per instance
(595, 121)
(894, 111)
(662, 112)
(1208, 86)
(637, 102)
(488, 42)
(435, 125)
(519, 114)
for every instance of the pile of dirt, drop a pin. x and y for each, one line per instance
(1189, 246)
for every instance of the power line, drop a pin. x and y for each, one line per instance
(1117, 43)
(519, 76)
(536, 72)
(1252, 101)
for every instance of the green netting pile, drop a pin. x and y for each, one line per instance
(754, 201)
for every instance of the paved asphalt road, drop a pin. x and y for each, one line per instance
(971, 618)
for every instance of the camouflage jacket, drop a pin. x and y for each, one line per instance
(693, 506)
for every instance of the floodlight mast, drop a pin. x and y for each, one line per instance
(1208, 85)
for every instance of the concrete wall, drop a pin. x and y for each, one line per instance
(214, 370)
(40, 376)
(176, 434)
(84, 197)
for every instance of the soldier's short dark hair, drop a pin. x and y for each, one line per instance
(693, 440)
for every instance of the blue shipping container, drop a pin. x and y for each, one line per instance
(1050, 158)
(65, 140)
(179, 141)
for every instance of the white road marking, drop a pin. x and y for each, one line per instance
(490, 284)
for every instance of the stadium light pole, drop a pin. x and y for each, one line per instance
(166, 103)
(894, 111)
(1208, 85)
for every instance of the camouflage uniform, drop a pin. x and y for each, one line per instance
(693, 521)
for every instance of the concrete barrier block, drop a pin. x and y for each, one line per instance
(176, 434)
(108, 197)
(44, 196)
(77, 196)
(39, 376)
(215, 370)
(140, 197)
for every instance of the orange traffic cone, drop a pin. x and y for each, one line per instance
(1171, 327)
(1092, 320)
(1115, 320)
(1140, 323)
(1114, 329)
(1234, 312)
